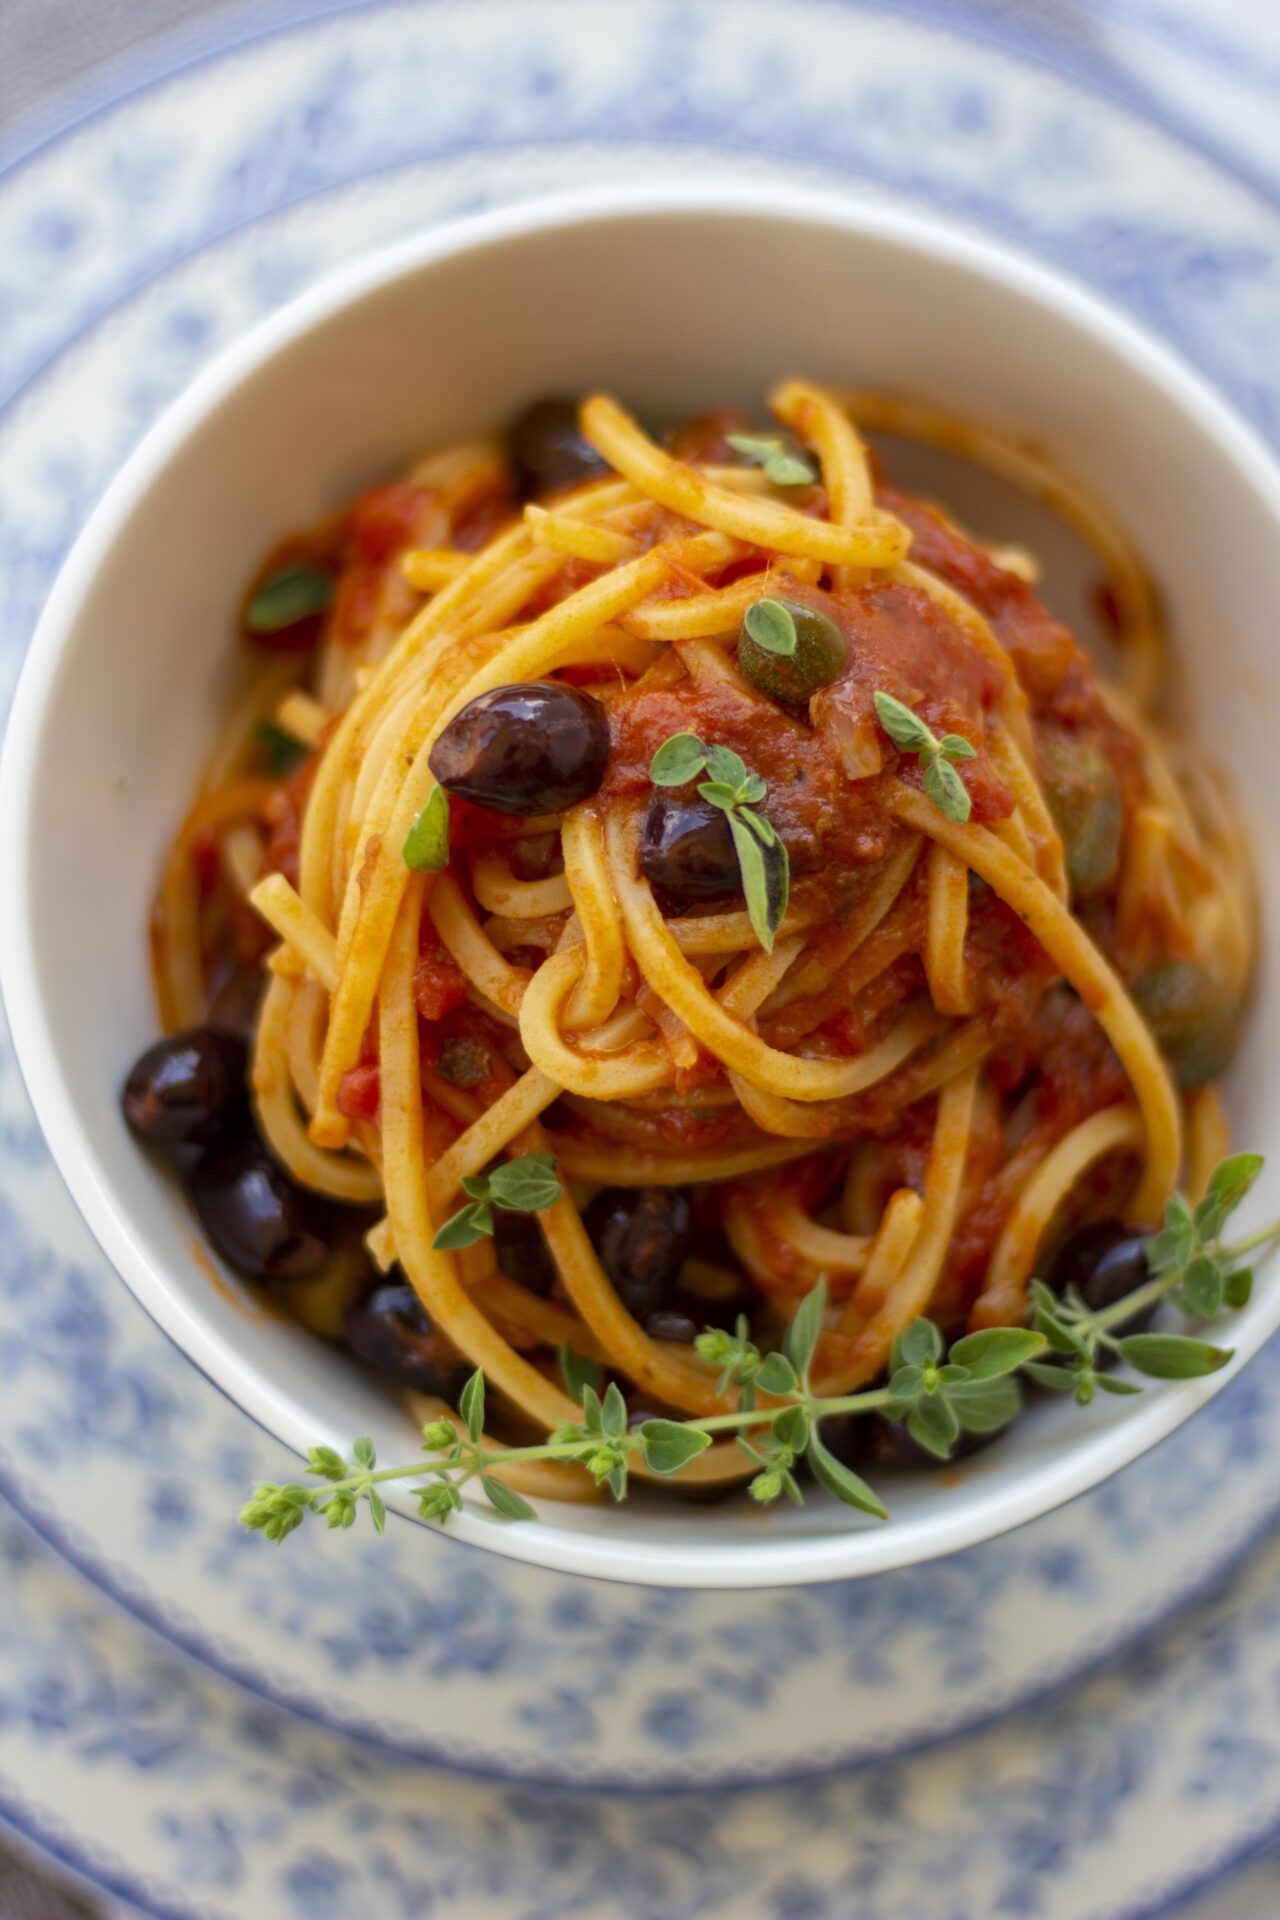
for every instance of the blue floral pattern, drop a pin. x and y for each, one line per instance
(128, 254)
(238, 1809)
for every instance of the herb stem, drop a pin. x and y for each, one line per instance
(571, 1450)
(1155, 1290)
(1134, 1303)
(1252, 1240)
(813, 1403)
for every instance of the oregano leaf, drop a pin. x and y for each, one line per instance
(426, 847)
(667, 1446)
(678, 760)
(505, 1499)
(801, 1337)
(842, 1481)
(471, 1405)
(771, 624)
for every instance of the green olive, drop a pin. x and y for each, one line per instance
(818, 659)
(1196, 1022)
(1083, 791)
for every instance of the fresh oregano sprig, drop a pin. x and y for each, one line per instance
(526, 1185)
(762, 857)
(939, 1393)
(1189, 1266)
(936, 756)
(781, 465)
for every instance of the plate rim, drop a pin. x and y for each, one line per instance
(183, 51)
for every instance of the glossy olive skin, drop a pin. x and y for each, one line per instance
(870, 1444)
(259, 1220)
(672, 1324)
(687, 851)
(820, 657)
(190, 1088)
(389, 1329)
(521, 1251)
(548, 453)
(643, 1236)
(1105, 1262)
(1085, 799)
(1196, 1022)
(524, 749)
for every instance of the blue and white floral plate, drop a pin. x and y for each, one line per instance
(130, 249)
(177, 1793)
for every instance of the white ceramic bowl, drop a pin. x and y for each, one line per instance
(678, 300)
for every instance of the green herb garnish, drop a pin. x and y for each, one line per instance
(972, 1388)
(772, 625)
(780, 464)
(426, 847)
(578, 1370)
(1189, 1265)
(762, 858)
(281, 750)
(294, 593)
(941, 781)
(526, 1185)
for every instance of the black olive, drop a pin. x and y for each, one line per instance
(870, 1444)
(643, 1236)
(261, 1222)
(1083, 792)
(521, 1251)
(189, 1088)
(687, 851)
(1196, 1022)
(820, 656)
(670, 1323)
(389, 1329)
(528, 749)
(548, 453)
(1104, 1261)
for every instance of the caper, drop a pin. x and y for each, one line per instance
(1083, 792)
(817, 658)
(1195, 1020)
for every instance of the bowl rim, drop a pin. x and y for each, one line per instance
(780, 1560)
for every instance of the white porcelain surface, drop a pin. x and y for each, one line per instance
(131, 668)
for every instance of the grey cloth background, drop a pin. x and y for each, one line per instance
(48, 48)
